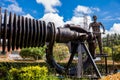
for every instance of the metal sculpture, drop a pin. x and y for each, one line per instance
(96, 31)
(21, 32)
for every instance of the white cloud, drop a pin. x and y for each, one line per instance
(53, 17)
(58, 20)
(79, 21)
(82, 10)
(15, 8)
(111, 18)
(95, 9)
(115, 28)
(28, 16)
(80, 16)
(49, 4)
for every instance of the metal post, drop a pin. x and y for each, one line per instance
(112, 55)
(80, 64)
(106, 64)
(91, 59)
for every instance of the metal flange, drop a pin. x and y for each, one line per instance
(41, 33)
(38, 33)
(23, 33)
(19, 31)
(4, 32)
(14, 37)
(10, 32)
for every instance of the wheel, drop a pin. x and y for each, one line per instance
(70, 67)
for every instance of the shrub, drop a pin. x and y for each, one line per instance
(106, 50)
(60, 51)
(3, 72)
(116, 55)
(28, 73)
(35, 53)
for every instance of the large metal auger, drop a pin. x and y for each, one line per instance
(18, 32)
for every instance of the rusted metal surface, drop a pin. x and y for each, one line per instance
(4, 32)
(14, 37)
(10, 31)
(27, 32)
(18, 32)
(31, 32)
(22, 32)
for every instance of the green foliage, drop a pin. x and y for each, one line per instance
(36, 53)
(28, 73)
(116, 55)
(106, 50)
(111, 40)
(3, 72)
(52, 77)
(117, 49)
(60, 51)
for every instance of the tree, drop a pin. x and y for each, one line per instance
(106, 50)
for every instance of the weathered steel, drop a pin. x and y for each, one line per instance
(92, 61)
(45, 33)
(31, 32)
(22, 32)
(38, 36)
(34, 32)
(42, 38)
(27, 32)
(19, 31)
(14, 37)
(10, 31)
(4, 32)
(41, 33)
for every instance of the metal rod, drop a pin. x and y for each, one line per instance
(92, 61)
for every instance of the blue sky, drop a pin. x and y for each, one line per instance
(68, 11)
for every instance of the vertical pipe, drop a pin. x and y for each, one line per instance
(106, 70)
(80, 64)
